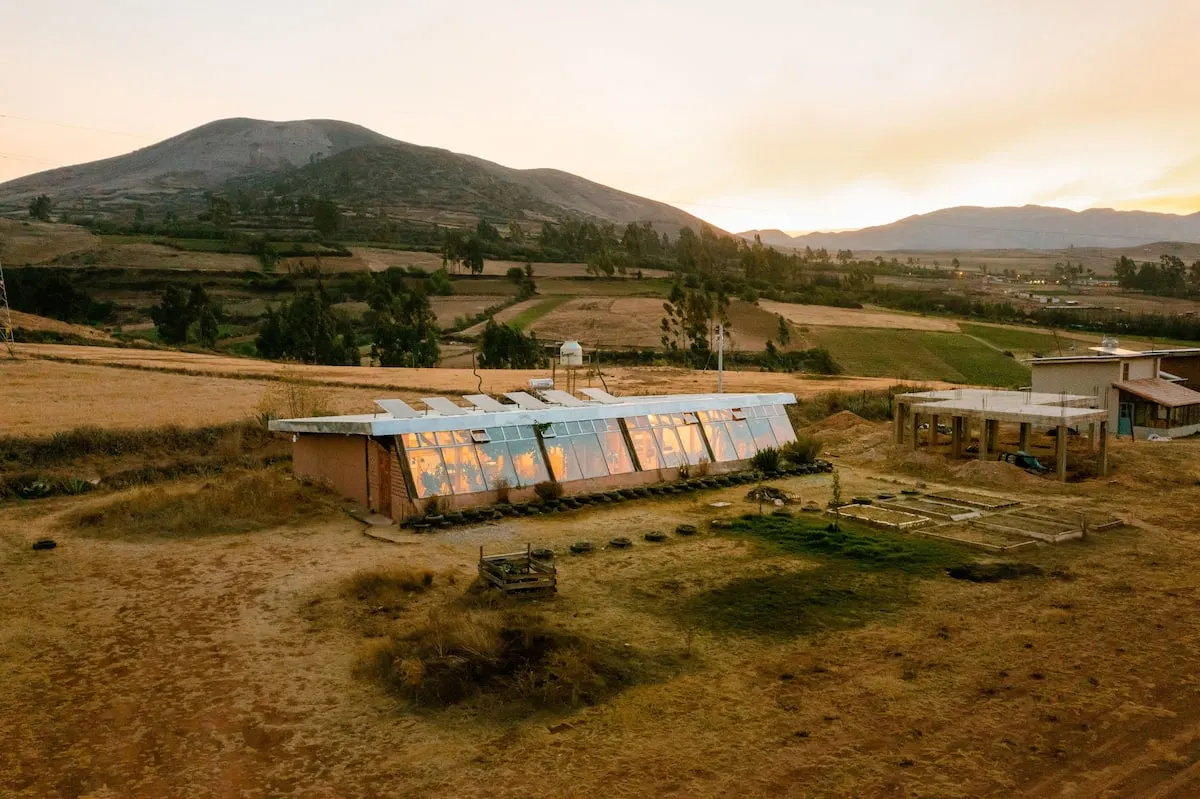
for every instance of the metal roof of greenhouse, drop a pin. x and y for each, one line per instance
(399, 417)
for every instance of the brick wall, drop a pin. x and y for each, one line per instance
(336, 461)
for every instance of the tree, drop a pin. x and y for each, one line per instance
(208, 329)
(172, 316)
(486, 231)
(309, 330)
(139, 215)
(327, 219)
(40, 207)
(403, 327)
(503, 346)
(785, 332)
(515, 234)
(473, 254)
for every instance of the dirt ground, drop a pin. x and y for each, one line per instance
(819, 315)
(216, 666)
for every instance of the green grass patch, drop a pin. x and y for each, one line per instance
(1007, 338)
(862, 547)
(535, 312)
(978, 363)
(919, 355)
(860, 575)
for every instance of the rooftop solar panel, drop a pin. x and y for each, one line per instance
(526, 400)
(562, 398)
(600, 395)
(398, 408)
(444, 406)
(486, 403)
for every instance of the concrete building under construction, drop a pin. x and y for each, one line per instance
(404, 459)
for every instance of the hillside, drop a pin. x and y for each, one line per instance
(1028, 227)
(348, 162)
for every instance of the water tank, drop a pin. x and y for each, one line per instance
(570, 354)
(541, 383)
(1108, 344)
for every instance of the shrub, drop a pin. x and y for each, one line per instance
(766, 460)
(548, 490)
(804, 449)
(461, 652)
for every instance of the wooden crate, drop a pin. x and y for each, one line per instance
(518, 572)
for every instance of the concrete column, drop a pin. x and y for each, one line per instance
(1060, 451)
(956, 436)
(916, 430)
(1025, 428)
(933, 432)
(898, 423)
(1104, 449)
(1092, 437)
(993, 434)
(984, 438)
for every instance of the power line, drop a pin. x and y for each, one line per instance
(76, 127)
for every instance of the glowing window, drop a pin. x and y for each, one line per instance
(693, 443)
(589, 455)
(497, 464)
(668, 443)
(528, 463)
(616, 453)
(562, 460)
(722, 444)
(429, 473)
(646, 448)
(428, 439)
(410, 440)
(462, 469)
(445, 438)
(743, 439)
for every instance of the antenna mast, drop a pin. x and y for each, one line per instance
(6, 326)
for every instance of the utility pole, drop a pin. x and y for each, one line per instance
(720, 358)
(6, 326)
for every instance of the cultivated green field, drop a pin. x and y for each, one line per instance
(530, 315)
(919, 355)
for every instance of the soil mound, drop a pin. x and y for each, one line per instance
(840, 422)
(995, 474)
(921, 464)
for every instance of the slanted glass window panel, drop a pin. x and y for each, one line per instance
(445, 438)
(616, 453)
(589, 455)
(693, 443)
(763, 437)
(558, 429)
(704, 416)
(562, 460)
(428, 439)
(497, 464)
(462, 436)
(782, 428)
(743, 439)
(668, 443)
(495, 433)
(429, 473)
(646, 448)
(462, 469)
(528, 462)
(410, 441)
(722, 444)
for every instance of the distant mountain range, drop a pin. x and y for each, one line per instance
(321, 157)
(1030, 227)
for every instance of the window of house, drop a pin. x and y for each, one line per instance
(469, 461)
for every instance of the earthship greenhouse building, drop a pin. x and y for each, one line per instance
(403, 461)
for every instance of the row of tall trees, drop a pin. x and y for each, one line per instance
(1169, 277)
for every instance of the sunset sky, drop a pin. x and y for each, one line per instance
(800, 115)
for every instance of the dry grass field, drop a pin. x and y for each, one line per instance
(26, 242)
(58, 387)
(232, 659)
(29, 321)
